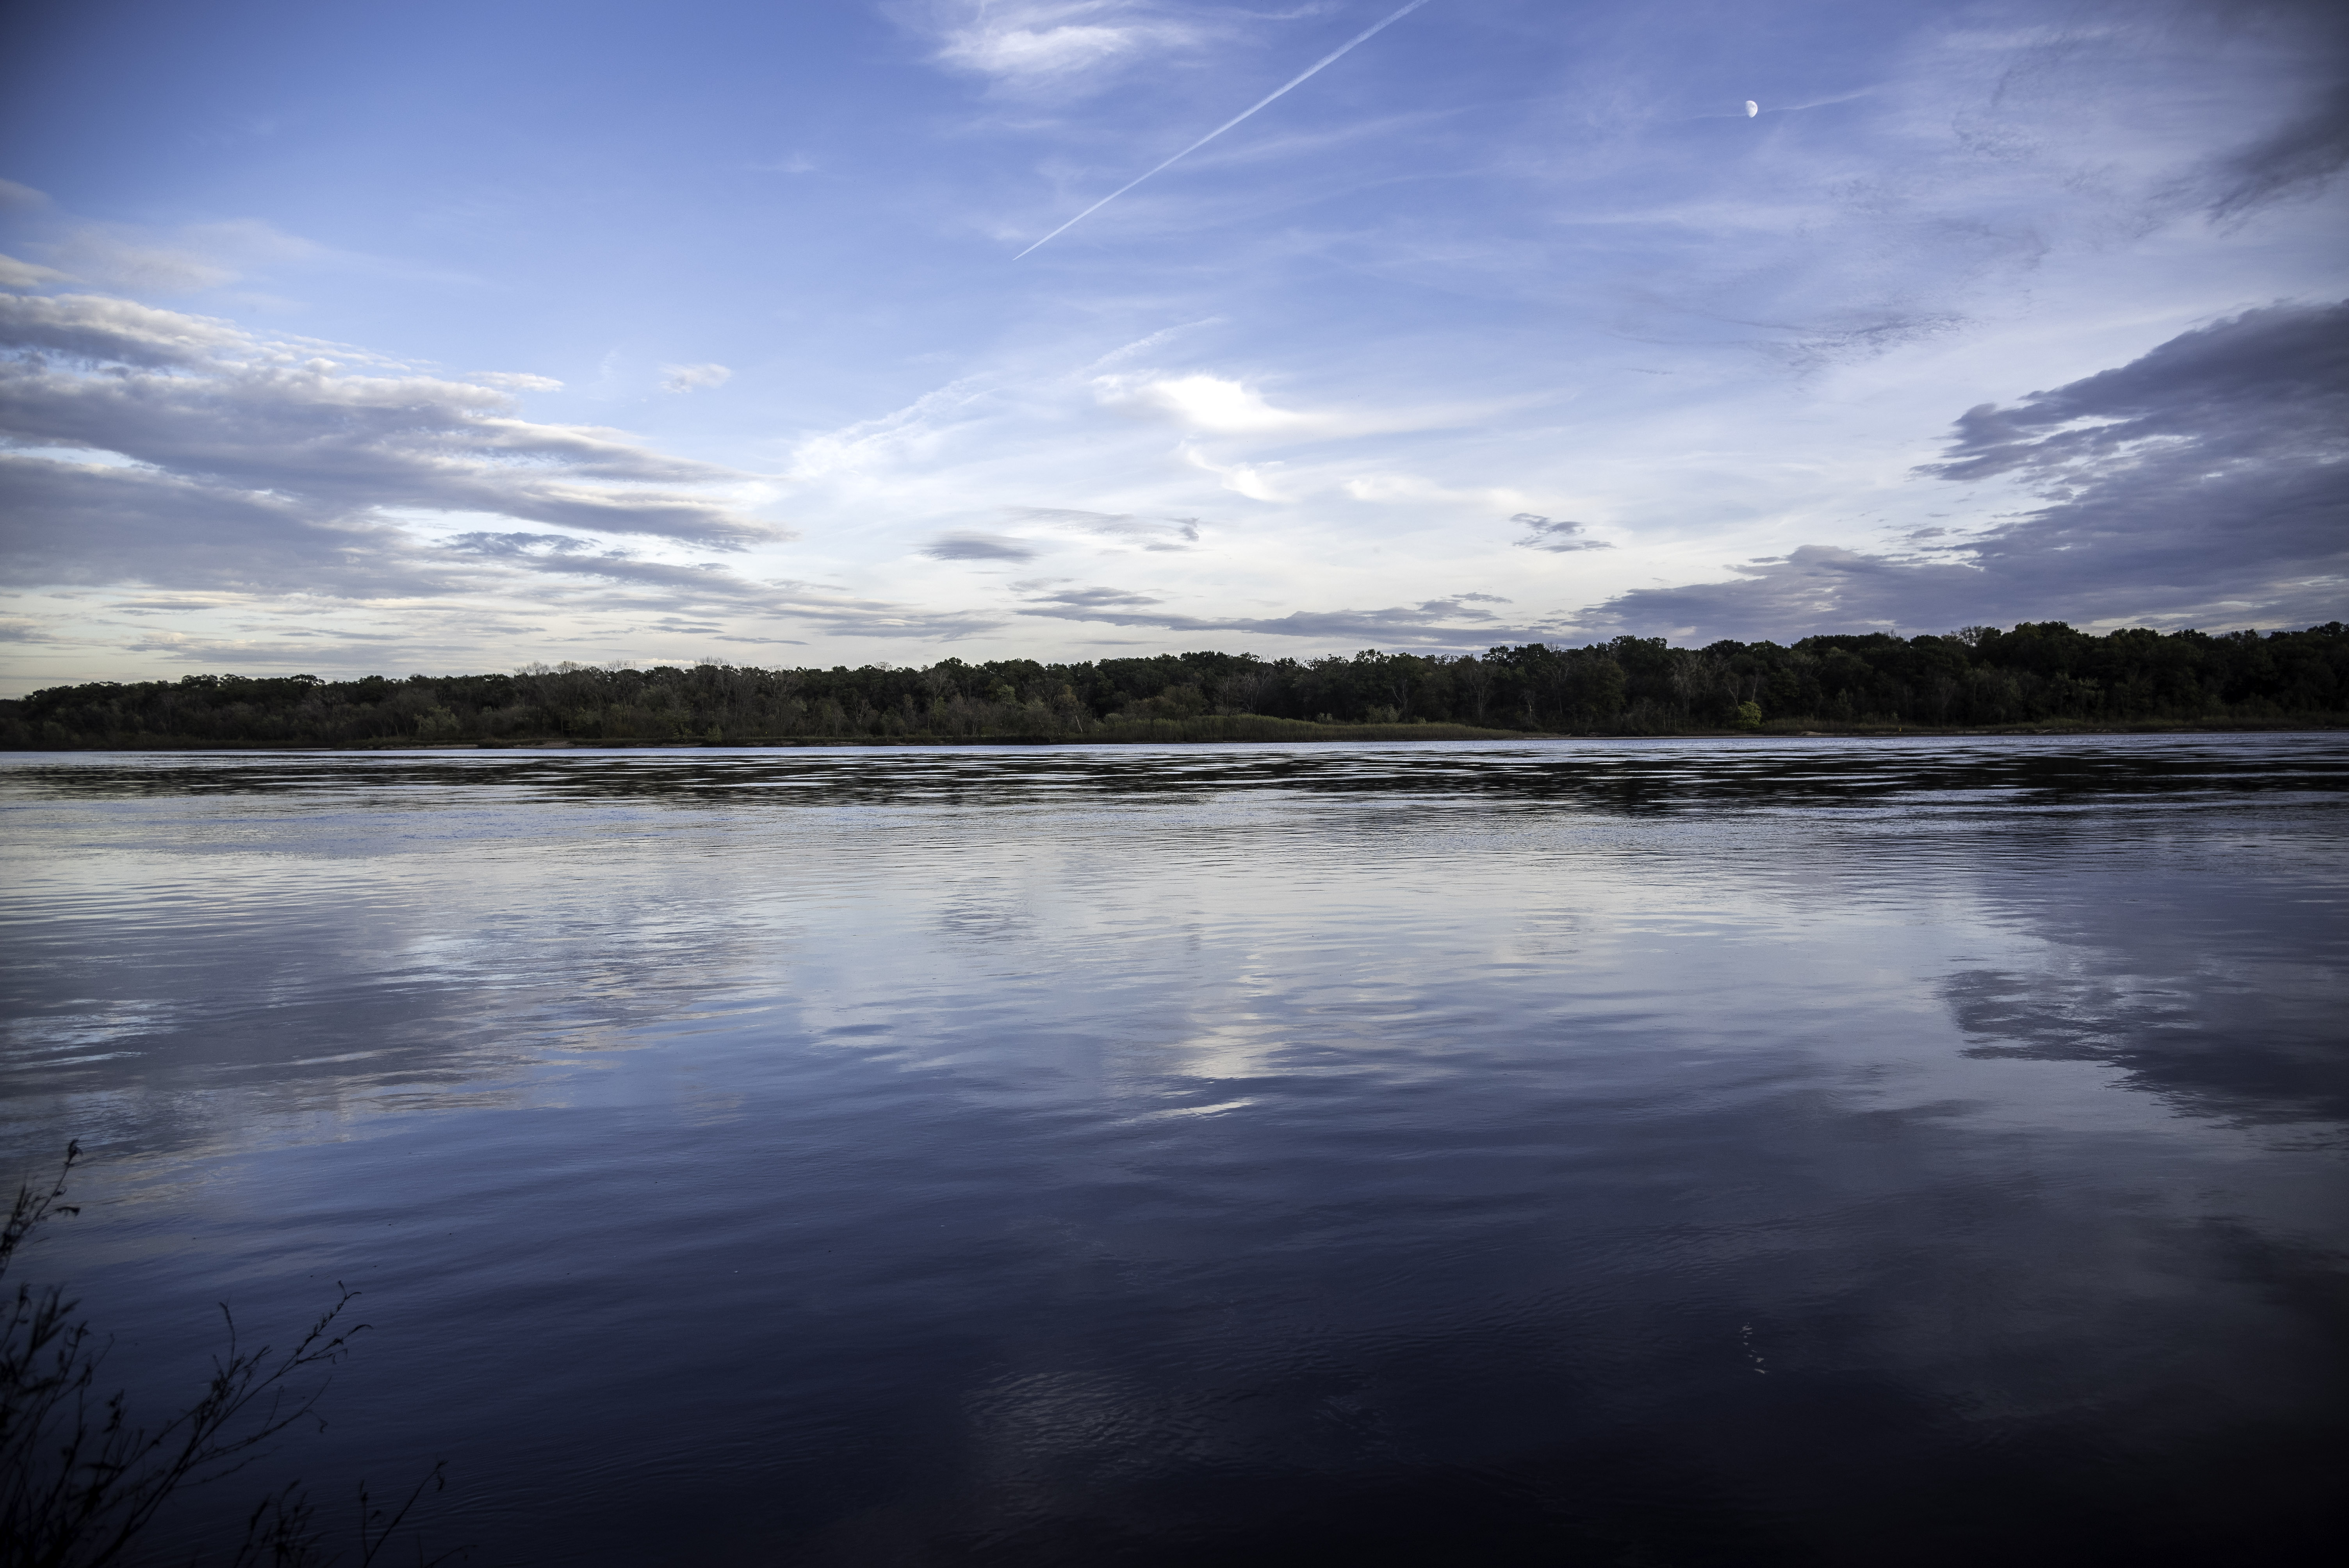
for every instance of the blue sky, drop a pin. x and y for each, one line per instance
(439, 338)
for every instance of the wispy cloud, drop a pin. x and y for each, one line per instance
(513, 381)
(22, 274)
(1556, 534)
(305, 447)
(188, 259)
(689, 377)
(1213, 404)
(1044, 598)
(1456, 621)
(201, 257)
(970, 546)
(1156, 534)
(1289, 85)
(1516, 297)
(1028, 45)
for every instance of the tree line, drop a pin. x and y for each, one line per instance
(2033, 673)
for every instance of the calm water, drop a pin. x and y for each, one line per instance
(1682, 1153)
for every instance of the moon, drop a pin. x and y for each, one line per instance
(1752, 109)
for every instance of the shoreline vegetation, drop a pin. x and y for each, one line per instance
(82, 1479)
(2037, 679)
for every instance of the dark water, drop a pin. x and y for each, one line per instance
(1682, 1153)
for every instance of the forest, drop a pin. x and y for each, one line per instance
(2034, 676)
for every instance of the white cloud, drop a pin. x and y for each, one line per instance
(685, 378)
(1205, 403)
(100, 330)
(1213, 405)
(514, 381)
(17, 274)
(1051, 43)
(245, 481)
(1397, 489)
(1036, 51)
(1250, 479)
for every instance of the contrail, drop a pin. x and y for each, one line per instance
(1311, 70)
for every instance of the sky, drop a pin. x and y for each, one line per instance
(427, 337)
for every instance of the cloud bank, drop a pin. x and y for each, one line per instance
(153, 446)
(2205, 483)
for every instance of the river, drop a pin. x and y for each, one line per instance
(1672, 1152)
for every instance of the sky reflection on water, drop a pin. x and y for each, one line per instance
(1672, 1153)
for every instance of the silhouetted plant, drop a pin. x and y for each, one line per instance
(283, 1531)
(80, 1480)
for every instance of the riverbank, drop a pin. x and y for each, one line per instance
(1245, 727)
(2044, 678)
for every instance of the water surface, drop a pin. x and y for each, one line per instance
(1658, 1153)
